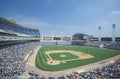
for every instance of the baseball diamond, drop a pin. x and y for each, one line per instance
(58, 58)
(65, 55)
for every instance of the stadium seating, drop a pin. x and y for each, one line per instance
(10, 27)
(11, 59)
(11, 32)
(111, 45)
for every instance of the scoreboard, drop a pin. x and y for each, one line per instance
(106, 39)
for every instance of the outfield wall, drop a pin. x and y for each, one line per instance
(54, 43)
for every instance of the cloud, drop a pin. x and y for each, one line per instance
(30, 21)
(33, 22)
(117, 12)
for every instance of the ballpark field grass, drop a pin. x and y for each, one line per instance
(66, 60)
(60, 56)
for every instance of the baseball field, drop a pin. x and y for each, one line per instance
(58, 58)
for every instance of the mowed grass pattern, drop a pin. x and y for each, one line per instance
(98, 53)
(68, 56)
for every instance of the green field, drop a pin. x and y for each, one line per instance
(98, 53)
(56, 56)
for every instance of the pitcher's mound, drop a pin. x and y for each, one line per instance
(62, 55)
(53, 62)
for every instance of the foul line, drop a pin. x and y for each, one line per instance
(49, 56)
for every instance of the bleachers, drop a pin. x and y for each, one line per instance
(92, 43)
(113, 45)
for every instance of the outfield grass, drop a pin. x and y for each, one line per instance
(98, 53)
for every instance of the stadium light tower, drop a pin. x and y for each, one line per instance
(52, 34)
(99, 28)
(113, 36)
(61, 34)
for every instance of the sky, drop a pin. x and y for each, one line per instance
(65, 17)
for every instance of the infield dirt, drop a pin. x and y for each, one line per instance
(80, 55)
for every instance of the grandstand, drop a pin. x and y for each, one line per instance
(89, 40)
(14, 47)
(11, 32)
(55, 40)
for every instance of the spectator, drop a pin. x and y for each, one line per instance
(11, 59)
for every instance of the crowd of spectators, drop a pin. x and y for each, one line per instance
(111, 71)
(11, 65)
(108, 71)
(11, 59)
(115, 45)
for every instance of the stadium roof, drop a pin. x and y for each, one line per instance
(12, 24)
